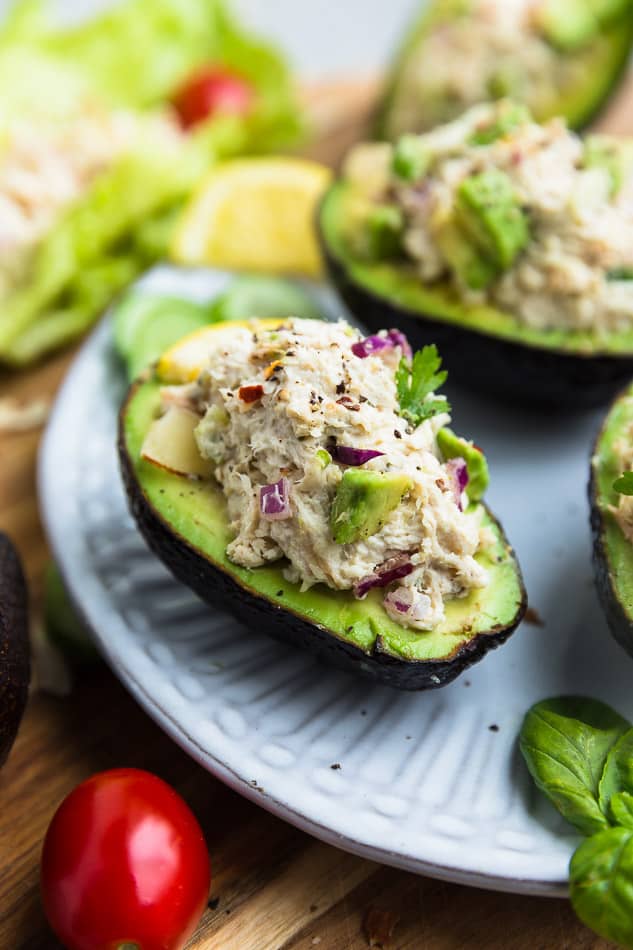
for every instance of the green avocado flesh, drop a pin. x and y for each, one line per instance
(398, 283)
(595, 68)
(606, 468)
(363, 501)
(196, 512)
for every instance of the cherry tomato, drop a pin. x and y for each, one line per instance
(124, 865)
(210, 92)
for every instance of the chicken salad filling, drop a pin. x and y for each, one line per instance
(472, 51)
(333, 453)
(525, 217)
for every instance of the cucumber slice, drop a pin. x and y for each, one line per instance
(264, 297)
(146, 325)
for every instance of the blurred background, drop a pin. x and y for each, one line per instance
(320, 39)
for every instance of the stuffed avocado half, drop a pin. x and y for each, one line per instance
(506, 242)
(559, 57)
(611, 500)
(306, 479)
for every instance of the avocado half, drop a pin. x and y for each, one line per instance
(483, 347)
(15, 667)
(186, 525)
(597, 71)
(612, 553)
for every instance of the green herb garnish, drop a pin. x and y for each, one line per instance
(624, 484)
(580, 754)
(620, 273)
(417, 381)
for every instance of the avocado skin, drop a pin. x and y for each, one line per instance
(219, 589)
(15, 668)
(525, 374)
(620, 624)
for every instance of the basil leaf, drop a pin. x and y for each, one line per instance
(601, 884)
(565, 743)
(618, 771)
(622, 809)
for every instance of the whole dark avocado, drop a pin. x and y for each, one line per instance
(14, 646)
(592, 42)
(484, 348)
(612, 552)
(189, 531)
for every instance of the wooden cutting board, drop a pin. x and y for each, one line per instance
(273, 886)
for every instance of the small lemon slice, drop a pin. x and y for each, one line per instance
(255, 214)
(184, 361)
(170, 444)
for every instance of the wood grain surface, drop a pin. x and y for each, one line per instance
(273, 886)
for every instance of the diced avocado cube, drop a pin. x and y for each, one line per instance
(472, 268)
(568, 24)
(411, 159)
(509, 116)
(363, 502)
(452, 446)
(487, 209)
(615, 157)
(384, 228)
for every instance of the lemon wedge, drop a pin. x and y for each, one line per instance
(184, 361)
(255, 214)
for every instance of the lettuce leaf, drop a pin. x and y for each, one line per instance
(137, 54)
(79, 265)
(133, 56)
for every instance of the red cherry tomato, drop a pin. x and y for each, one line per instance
(210, 92)
(124, 864)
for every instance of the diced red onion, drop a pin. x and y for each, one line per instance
(398, 338)
(392, 570)
(401, 599)
(346, 455)
(407, 602)
(374, 344)
(370, 345)
(274, 501)
(458, 471)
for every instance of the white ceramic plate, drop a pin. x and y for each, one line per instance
(431, 782)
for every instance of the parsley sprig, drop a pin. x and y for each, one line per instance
(624, 484)
(416, 382)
